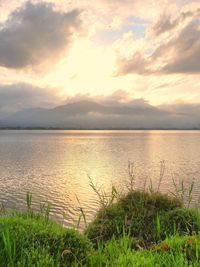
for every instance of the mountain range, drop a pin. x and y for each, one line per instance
(92, 115)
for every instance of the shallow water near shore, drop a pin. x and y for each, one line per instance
(56, 165)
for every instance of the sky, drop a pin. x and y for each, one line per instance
(56, 51)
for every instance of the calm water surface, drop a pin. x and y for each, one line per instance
(56, 165)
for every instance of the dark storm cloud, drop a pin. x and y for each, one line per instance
(35, 34)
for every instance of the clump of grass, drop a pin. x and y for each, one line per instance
(146, 215)
(31, 239)
(28, 240)
(140, 214)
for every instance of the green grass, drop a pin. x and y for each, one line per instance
(146, 217)
(175, 251)
(31, 241)
(139, 229)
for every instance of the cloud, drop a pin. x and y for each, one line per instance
(21, 96)
(190, 110)
(148, 8)
(136, 64)
(36, 34)
(119, 97)
(185, 51)
(167, 23)
(163, 24)
(179, 52)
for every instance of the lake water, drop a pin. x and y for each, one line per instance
(56, 165)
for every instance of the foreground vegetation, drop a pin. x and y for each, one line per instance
(138, 229)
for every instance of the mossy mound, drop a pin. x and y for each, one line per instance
(33, 242)
(146, 217)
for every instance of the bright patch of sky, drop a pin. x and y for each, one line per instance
(135, 25)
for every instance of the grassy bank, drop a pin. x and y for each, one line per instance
(138, 229)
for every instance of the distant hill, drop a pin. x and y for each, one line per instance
(92, 115)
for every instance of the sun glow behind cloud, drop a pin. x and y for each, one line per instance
(86, 68)
(97, 49)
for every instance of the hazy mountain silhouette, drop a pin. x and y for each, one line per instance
(91, 115)
(85, 107)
